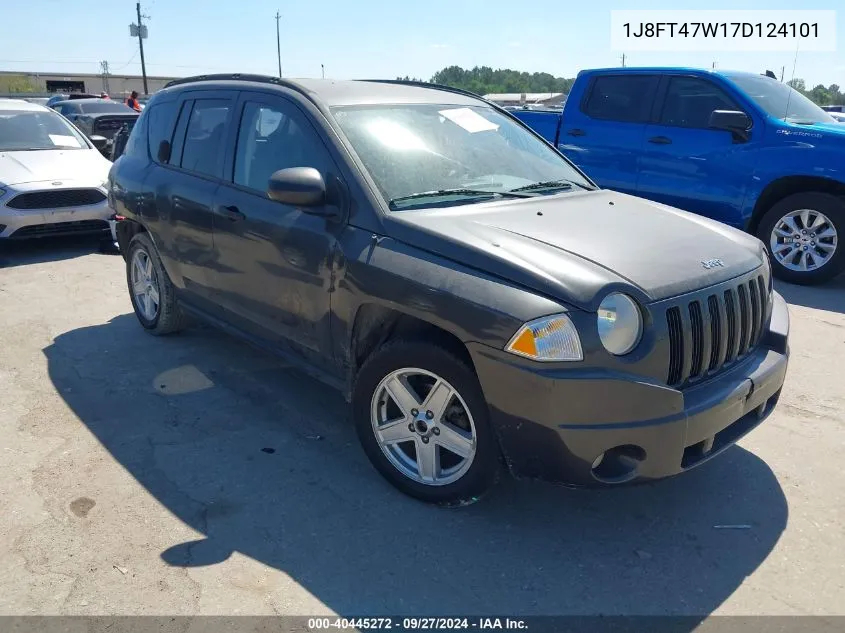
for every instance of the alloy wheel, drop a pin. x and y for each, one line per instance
(803, 240)
(423, 426)
(145, 285)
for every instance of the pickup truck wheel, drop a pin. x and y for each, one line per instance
(152, 294)
(423, 422)
(804, 234)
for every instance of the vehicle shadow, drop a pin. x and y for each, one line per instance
(263, 460)
(49, 249)
(829, 296)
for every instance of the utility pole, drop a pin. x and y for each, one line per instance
(782, 69)
(623, 60)
(278, 43)
(104, 66)
(323, 69)
(141, 31)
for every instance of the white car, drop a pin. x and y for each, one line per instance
(838, 116)
(52, 179)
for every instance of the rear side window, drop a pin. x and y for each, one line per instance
(625, 98)
(206, 137)
(690, 101)
(161, 120)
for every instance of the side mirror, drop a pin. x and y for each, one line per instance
(299, 186)
(100, 142)
(733, 121)
(163, 154)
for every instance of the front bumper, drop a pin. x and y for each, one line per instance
(26, 223)
(582, 428)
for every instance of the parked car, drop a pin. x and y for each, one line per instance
(839, 117)
(120, 139)
(52, 178)
(99, 119)
(69, 97)
(473, 294)
(740, 148)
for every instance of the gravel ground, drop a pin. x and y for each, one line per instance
(197, 475)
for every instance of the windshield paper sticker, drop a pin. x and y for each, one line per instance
(64, 141)
(470, 120)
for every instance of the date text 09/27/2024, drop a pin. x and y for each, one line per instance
(417, 624)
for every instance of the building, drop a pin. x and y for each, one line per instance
(16, 82)
(546, 99)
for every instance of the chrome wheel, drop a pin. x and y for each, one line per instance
(423, 426)
(145, 285)
(803, 240)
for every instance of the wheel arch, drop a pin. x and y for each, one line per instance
(786, 186)
(375, 324)
(127, 229)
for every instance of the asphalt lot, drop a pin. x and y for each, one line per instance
(196, 475)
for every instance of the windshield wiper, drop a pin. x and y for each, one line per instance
(548, 184)
(442, 193)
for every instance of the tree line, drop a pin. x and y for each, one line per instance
(485, 80)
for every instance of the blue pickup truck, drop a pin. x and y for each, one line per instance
(740, 148)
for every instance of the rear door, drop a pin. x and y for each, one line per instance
(686, 164)
(603, 134)
(184, 182)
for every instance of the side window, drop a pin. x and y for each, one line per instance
(160, 122)
(690, 101)
(136, 146)
(625, 98)
(273, 137)
(206, 137)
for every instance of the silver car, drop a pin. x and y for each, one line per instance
(52, 179)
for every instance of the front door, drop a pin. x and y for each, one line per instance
(686, 164)
(275, 262)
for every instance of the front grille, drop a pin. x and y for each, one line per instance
(710, 332)
(61, 228)
(56, 199)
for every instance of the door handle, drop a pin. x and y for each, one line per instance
(577, 132)
(660, 140)
(233, 213)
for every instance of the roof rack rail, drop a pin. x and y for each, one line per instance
(266, 79)
(427, 84)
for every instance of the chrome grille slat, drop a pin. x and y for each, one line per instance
(709, 332)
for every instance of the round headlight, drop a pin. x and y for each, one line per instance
(620, 324)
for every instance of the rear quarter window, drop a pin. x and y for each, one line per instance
(161, 120)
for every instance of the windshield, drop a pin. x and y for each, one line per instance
(781, 101)
(105, 106)
(37, 130)
(456, 154)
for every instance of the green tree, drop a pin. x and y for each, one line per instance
(486, 80)
(798, 84)
(16, 84)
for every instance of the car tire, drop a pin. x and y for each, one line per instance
(823, 212)
(165, 316)
(418, 364)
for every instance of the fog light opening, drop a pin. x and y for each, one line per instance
(618, 464)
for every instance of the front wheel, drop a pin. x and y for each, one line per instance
(423, 422)
(803, 233)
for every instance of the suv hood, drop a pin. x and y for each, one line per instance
(52, 164)
(573, 246)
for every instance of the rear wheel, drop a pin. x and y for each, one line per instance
(423, 422)
(804, 233)
(152, 293)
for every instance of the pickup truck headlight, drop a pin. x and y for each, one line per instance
(551, 338)
(620, 323)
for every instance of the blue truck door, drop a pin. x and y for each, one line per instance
(688, 165)
(604, 133)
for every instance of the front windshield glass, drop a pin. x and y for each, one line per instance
(37, 130)
(458, 155)
(781, 101)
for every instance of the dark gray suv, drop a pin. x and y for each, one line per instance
(479, 301)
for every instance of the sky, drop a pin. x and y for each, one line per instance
(363, 38)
